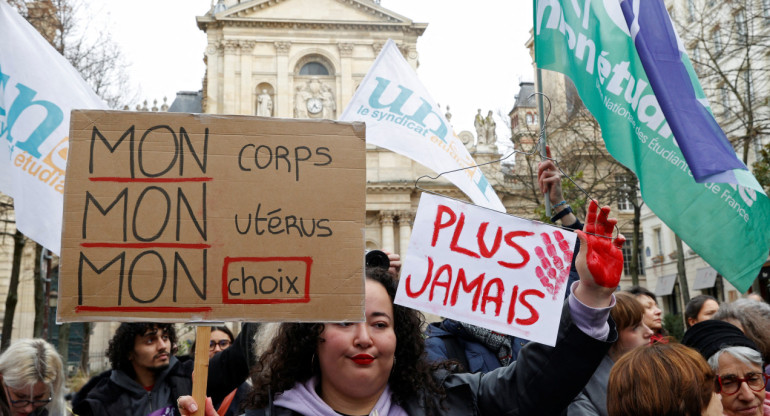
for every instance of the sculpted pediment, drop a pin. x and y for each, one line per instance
(343, 11)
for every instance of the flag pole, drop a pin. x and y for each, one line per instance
(541, 121)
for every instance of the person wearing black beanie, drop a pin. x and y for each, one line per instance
(710, 336)
(738, 364)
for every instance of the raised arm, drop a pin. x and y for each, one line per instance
(230, 368)
(544, 380)
(549, 181)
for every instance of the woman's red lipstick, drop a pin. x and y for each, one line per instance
(362, 359)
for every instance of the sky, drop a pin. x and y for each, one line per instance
(472, 55)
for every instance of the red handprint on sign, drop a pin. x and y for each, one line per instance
(553, 271)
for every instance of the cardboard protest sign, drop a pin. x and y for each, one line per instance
(187, 217)
(486, 268)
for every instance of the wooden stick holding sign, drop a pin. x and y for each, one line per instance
(201, 369)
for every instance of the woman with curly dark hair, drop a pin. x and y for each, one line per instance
(377, 367)
(302, 351)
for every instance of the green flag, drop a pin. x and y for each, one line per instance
(727, 224)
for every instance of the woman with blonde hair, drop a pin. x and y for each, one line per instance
(32, 378)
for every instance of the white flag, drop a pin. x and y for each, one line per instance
(401, 116)
(38, 88)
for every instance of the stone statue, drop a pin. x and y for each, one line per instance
(264, 104)
(300, 102)
(489, 125)
(329, 106)
(314, 99)
(481, 129)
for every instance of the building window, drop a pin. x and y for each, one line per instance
(740, 22)
(626, 189)
(716, 37)
(627, 258)
(313, 68)
(530, 119)
(724, 99)
(672, 301)
(696, 53)
(658, 241)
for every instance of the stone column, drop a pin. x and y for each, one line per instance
(232, 49)
(248, 104)
(405, 221)
(282, 108)
(386, 229)
(410, 53)
(213, 62)
(346, 75)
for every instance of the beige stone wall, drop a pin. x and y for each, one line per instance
(24, 316)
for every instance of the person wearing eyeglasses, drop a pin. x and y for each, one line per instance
(735, 358)
(753, 318)
(31, 374)
(221, 339)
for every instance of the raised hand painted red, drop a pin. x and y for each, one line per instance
(603, 253)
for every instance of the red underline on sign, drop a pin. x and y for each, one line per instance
(152, 180)
(147, 245)
(162, 309)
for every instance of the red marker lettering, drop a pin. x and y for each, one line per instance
(497, 298)
(474, 285)
(438, 224)
(412, 294)
(534, 316)
(512, 306)
(524, 254)
(483, 245)
(445, 268)
(456, 236)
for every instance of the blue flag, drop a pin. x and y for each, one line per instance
(708, 153)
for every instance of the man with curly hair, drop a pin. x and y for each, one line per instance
(146, 377)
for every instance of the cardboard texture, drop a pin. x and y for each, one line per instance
(486, 268)
(188, 217)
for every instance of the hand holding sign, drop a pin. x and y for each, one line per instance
(601, 262)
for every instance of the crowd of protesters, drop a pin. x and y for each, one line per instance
(611, 357)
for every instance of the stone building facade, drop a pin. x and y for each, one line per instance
(305, 59)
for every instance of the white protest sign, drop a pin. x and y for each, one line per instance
(486, 268)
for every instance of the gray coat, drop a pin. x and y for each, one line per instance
(592, 401)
